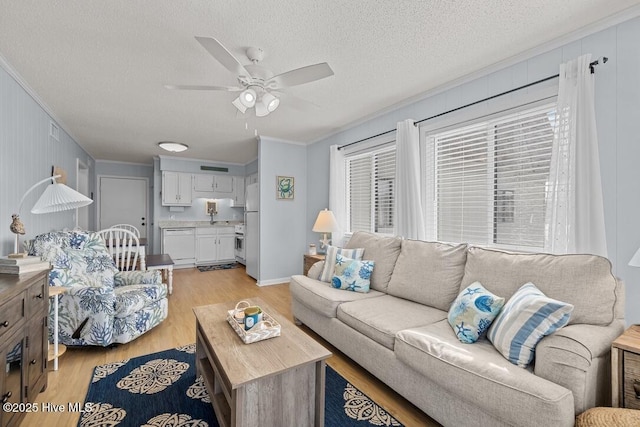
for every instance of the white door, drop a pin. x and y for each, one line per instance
(82, 185)
(123, 201)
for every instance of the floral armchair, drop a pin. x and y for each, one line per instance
(102, 305)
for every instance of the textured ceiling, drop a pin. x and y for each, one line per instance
(100, 66)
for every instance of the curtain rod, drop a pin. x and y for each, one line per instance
(592, 67)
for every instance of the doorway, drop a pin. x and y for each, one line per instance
(82, 186)
(123, 200)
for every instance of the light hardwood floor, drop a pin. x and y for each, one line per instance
(192, 288)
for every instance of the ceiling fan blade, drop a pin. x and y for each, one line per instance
(300, 76)
(197, 87)
(223, 56)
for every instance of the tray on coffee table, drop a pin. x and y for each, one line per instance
(257, 333)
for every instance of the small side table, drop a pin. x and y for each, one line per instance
(309, 260)
(58, 349)
(164, 263)
(625, 369)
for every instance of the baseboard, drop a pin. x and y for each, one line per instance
(273, 281)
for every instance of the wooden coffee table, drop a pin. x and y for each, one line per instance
(275, 382)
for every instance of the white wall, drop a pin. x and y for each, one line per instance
(282, 222)
(26, 157)
(618, 118)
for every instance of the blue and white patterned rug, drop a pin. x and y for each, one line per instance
(161, 389)
(214, 267)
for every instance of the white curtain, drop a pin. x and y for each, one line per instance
(337, 192)
(408, 212)
(575, 211)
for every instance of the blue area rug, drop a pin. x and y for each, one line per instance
(161, 389)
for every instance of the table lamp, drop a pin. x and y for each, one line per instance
(325, 223)
(56, 198)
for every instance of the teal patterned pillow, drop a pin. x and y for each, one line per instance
(473, 311)
(352, 274)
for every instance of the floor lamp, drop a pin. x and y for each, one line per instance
(57, 197)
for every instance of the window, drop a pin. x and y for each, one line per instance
(370, 190)
(486, 181)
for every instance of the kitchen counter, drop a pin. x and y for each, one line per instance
(196, 224)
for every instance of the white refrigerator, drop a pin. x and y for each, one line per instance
(252, 230)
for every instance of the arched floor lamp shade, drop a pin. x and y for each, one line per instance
(57, 197)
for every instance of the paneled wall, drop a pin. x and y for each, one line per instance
(617, 111)
(27, 153)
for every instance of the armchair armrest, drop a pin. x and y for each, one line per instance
(125, 278)
(315, 270)
(578, 357)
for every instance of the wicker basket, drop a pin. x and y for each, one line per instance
(268, 327)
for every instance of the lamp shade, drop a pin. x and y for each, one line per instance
(58, 197)
(635, 260)
(326, 222)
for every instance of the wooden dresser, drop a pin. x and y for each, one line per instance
(23, 342)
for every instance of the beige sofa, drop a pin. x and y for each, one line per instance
(399, 330)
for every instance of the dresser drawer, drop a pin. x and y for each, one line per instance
(11, 315)
(631, 380)
(37, 298)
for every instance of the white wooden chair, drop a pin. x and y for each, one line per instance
(124, 247)
(128, 227)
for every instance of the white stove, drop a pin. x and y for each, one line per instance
(240, 253)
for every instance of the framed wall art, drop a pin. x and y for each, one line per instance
(284, 187)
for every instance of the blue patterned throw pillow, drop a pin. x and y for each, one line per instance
(328, 270)
(352, 274)
(473, 311)
(528, 316)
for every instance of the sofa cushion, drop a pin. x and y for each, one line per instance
(428, 272)
(322, 297)
(478, 373)
(329, 266)
(473, 311)
(352, 274)
(528, 316)
(382, 250)
(584, 281)
(381, 318)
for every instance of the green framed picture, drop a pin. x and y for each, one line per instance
(284, 187)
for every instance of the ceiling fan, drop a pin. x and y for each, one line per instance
(257, 83)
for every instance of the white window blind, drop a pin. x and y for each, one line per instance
(487, 181)
(370, 190)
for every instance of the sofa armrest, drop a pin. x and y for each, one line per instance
(316, 270)
(578, 357)
(125, 278)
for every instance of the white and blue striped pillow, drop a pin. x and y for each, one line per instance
(330, 260)
(526, 318)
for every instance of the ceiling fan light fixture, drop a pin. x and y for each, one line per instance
(174, 147)
(248, 97)
(239, 105)
(271, 102)
(261, 108)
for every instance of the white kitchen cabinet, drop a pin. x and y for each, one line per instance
(215, 244)
(238, 191)
(252, 179)
(203, 183)
(176, 189)
(223, 184)
(213, 186)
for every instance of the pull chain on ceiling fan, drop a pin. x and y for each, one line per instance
(256, 82)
